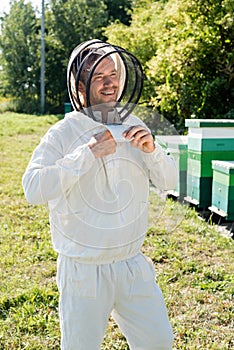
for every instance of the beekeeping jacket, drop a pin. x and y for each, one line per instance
(98, 206)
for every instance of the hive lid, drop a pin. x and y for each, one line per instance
(225, 166)
(209, 123)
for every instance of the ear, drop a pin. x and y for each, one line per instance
(81, 87)
(82, 93)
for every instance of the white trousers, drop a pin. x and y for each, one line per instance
(127, 290)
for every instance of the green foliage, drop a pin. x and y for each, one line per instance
(187, 51)
(119, 10)
(191, 64)
(20, 56)
(138, 38)
(72, 22)
(194, 261)
(67, 23)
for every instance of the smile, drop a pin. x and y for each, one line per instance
(108, 93)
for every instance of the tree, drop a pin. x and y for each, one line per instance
(188, 58)
(119, 10)
(138, 38)
(194, 62)
(68, 23)
(20, 56)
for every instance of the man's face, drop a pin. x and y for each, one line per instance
(104, 85)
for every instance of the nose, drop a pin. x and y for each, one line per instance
(108, 80)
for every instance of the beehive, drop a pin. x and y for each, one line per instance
(177, 146)
(207, 140)
(223, 189)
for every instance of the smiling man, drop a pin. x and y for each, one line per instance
(97, 191)
(104, 84)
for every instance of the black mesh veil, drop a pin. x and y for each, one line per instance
(129, 70)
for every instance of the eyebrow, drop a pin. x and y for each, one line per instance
(100, 73)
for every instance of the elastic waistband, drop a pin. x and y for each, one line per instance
(101, 260)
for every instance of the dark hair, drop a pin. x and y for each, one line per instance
(85, 60)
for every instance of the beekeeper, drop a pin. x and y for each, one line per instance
(93, 169)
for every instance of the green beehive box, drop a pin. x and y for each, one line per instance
(207, 140)
(198, 190)
(177, 146)
(223, 189)
(209, 123)
(224, 144)
(210, 135)
(199, 163)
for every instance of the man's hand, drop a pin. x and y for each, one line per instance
(140, 137)
(102, 144)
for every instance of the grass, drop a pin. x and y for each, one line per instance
(194, 261)
(6, 104)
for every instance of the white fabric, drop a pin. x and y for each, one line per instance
(126, 289)
(98, 218)
(98, 207)
(117, 132)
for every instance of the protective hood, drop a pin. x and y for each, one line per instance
(129, 71)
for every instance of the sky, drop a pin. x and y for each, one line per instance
(5, 5)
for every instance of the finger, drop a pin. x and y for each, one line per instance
(103, 136)
(144, 139)
(127, 130)
(138, 135)
(131, 132)
(108, 135)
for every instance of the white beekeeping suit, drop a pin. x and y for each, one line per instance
(99, 211)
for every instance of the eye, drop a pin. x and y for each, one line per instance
(97, 77)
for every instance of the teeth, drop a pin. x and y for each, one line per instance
(108, 93)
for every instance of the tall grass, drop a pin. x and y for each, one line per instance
(194, 261)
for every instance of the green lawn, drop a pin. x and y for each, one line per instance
(194, 261)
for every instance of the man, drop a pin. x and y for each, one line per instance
(96, 185)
